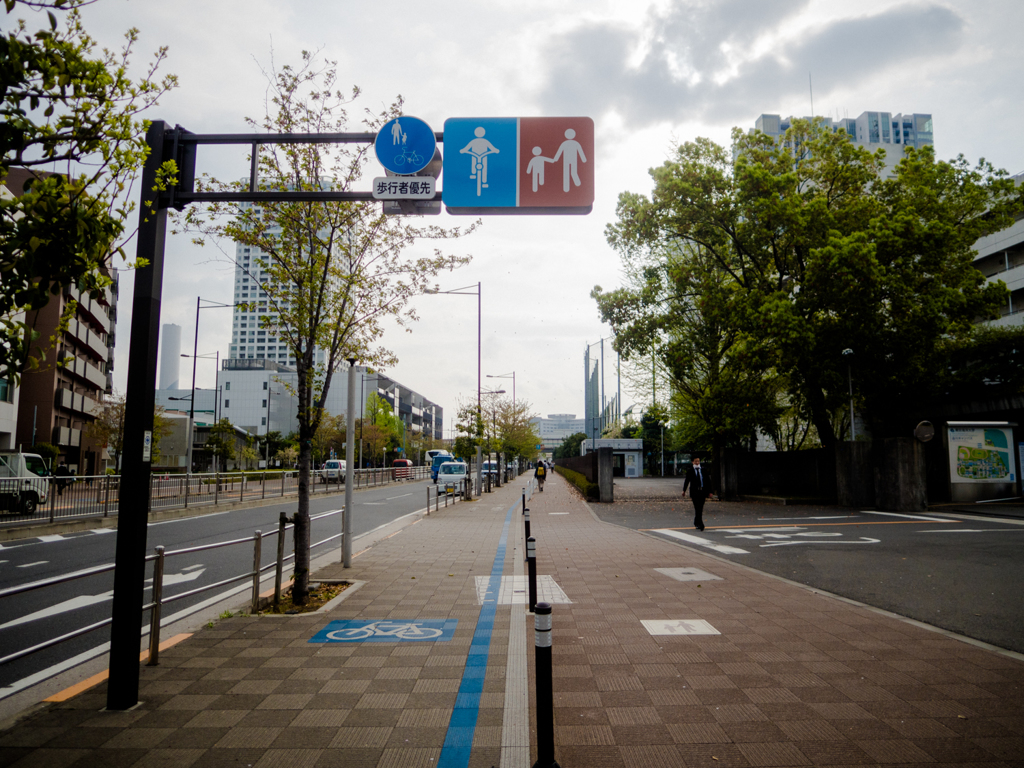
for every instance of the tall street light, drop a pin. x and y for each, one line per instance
(192, 399)
(201, 303)
(512, 376)
(494, 417)
(466, 291)
(266, 433)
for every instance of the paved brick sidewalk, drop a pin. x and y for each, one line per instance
(794, 678)
(255, 692)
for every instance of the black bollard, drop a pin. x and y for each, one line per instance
(526, 523)
(545, 694)
(531, 564)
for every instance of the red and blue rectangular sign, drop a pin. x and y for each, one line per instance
(518, 165)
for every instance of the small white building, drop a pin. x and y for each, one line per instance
(627, 454)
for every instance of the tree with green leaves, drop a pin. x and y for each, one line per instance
(107, 429)
(820, 254)
(570, 446)
(332, 274)
(220, 443)
(67, 106)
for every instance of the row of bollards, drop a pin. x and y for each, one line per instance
(542, 658)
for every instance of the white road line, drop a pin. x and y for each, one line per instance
(724, 549)
(190, 519)
(964, 530)
(32, 565)
(390, 498)
(908, 517)
(982, 518)
(103, 530)
(49, 538)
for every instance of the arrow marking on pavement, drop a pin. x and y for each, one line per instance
(724, 549)
(84, 601)
(864, 540)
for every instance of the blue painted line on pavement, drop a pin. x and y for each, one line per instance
(462, 726)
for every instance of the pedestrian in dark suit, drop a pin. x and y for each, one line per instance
(700, 488)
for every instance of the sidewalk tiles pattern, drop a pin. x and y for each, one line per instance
(793, 678)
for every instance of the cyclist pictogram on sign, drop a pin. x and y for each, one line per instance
(519, 165)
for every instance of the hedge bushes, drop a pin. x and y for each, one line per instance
(590, 490)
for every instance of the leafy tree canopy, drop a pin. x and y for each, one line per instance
(811, 252)
(66, 107)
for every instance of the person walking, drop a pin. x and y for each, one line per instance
(540, 473)
(62, 475)
(700, 489)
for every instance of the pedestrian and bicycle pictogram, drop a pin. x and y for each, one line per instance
(386, 631)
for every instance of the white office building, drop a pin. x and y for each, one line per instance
(871, 130)
(556, 427)
(1000, 256)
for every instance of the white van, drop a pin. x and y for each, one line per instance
(333, 471)
(450, 474)
(24, 482)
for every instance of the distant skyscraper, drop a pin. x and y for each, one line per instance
(170, 357)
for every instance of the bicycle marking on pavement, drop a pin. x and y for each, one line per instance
(387, 631)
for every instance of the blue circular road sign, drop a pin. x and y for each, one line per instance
(405, 145)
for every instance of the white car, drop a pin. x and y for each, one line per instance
(450, 474)
(333, 471)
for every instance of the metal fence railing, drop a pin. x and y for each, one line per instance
(98, 496)
(158, 600)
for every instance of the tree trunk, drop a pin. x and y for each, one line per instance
(301, 533)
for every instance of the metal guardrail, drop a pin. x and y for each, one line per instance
(98, 496)
(461, 491)
(155, 606)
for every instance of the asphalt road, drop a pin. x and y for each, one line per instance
(960, 573)
(33, 617)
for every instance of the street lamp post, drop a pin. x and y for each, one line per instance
(465, 291)
(192, 405)
(266, 433)
(512, 376)
(195, 353)
(848, 354)
(494, 424)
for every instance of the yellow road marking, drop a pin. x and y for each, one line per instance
(96, 679)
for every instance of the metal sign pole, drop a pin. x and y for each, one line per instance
(140, 396)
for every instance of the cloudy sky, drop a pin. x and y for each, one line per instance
(650, 74)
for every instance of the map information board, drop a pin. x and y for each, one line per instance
(981, 455)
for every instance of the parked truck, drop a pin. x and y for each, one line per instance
(24, 482)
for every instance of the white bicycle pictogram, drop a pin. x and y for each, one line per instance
(410, 630)
(409, 155)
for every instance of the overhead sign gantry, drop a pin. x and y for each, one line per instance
(523, 165)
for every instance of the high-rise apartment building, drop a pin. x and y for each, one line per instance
(58, 401)
(872, 130)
